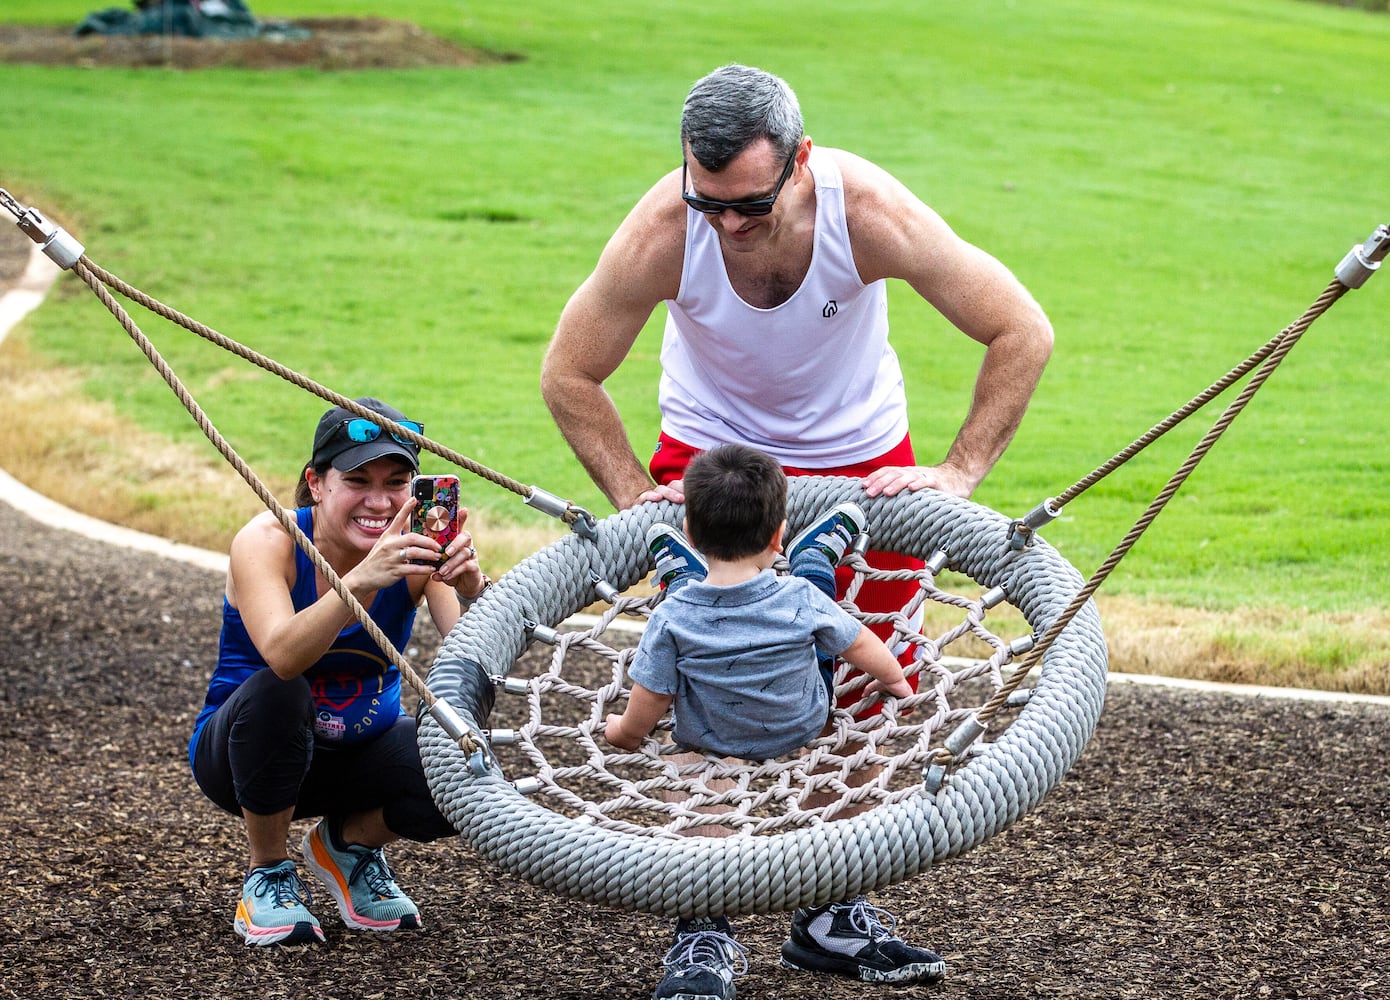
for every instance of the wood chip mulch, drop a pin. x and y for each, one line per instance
(1204, 846)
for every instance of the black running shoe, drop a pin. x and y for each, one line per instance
(851, 939)
(703, 961)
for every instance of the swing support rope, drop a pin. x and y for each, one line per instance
(58, 245)
(1352, 272)
(65, 251)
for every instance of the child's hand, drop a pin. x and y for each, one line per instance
(898, 689)
(613, 733)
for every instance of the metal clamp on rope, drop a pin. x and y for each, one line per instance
(1021, 531)
(584, 524)
(57, 243)
(605, 590)
(964, 735)
(480, 759)
(544, 633)
(1363, 261)
(452, 723)
(933, 777)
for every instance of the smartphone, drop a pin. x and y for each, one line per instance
(436, 512)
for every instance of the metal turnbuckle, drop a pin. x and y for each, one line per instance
(1363, 261)
(58, 244)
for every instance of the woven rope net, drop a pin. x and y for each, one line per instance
(606, 825)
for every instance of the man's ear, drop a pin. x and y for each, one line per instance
(778, 536)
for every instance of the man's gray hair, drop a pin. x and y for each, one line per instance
(732, 108)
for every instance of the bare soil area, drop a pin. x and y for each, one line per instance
(341, 43)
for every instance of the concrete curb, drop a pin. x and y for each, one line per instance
(39, 276)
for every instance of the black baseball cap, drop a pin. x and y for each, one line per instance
(347, 441)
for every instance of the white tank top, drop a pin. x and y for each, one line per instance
(813, 382)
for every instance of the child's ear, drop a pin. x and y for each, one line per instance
(778, 535)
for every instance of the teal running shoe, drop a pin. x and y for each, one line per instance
(274, 909)
(361, 883)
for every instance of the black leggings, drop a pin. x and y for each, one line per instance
(257, 752)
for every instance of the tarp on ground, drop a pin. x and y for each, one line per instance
(187, 18)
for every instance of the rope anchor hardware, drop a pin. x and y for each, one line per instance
(58, 244)
(580, 520)
(1364, 260)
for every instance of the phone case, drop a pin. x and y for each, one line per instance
(436, 511)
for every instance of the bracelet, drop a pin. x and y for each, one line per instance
(467, 602)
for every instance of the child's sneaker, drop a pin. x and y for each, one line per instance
(673, 554)
(833, 532)
(849, 939)
(703, 961)
(273, 908)
(361, 883)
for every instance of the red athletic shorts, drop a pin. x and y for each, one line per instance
(875, 597)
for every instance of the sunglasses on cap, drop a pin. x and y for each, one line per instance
(362, 430)
(754, 206)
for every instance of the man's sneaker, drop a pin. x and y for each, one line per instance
(273, 908)
(361, 883)
(833, 532)
(673, 554)
(703, 961)
(850, 939)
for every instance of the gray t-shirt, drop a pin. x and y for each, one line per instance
(740, 662)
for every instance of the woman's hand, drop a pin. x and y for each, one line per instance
(460, 568)
(397, 554)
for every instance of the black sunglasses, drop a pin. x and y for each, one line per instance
(755, 206)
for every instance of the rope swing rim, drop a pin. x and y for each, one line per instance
(729, 876)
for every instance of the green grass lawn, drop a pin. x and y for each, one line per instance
(1174, 182)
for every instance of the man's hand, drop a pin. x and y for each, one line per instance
(673, 491)
(891, 480)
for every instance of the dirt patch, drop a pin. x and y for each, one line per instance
(14, 250)
(340, 43)
(1203, 846)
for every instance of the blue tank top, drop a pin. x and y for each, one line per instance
(357, 690)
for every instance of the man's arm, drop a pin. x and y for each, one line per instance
(638, 269)
(895, 235)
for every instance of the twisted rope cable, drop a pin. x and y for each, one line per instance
(293, 377)
(1330, 295)
(88, 273)
(1271, 354)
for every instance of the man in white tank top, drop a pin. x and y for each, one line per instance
(771, 256)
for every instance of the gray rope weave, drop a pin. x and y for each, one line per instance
(693, 876)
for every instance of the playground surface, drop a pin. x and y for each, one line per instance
(1205, 845)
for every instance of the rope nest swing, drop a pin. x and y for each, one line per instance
(996, 784)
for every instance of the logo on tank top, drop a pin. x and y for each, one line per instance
(831, 308)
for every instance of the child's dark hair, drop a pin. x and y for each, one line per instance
(735, 499)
